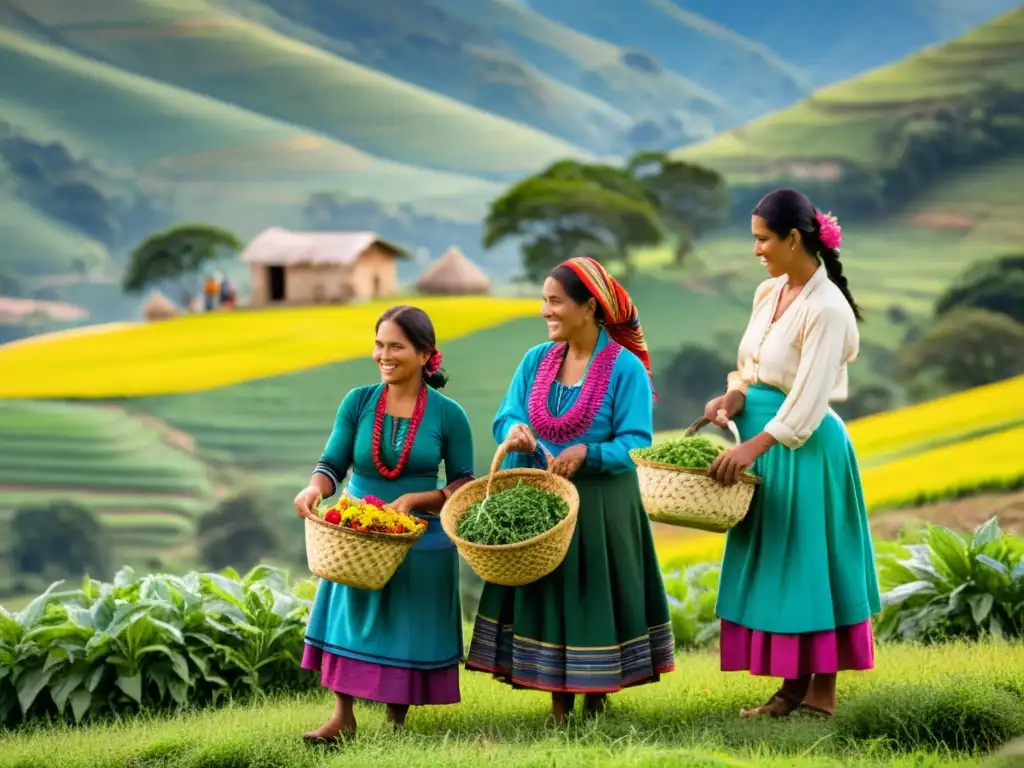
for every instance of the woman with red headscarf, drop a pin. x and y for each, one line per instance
(600, 622)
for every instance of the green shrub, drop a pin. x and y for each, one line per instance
(957, 713)
(949, 587)
(152, 642)
(692, 593)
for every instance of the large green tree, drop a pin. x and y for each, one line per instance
(172, 259)
(967, 348)
(691, 200)
(996, 285)
(572, 209)
(60, 540)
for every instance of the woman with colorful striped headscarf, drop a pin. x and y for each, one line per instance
(600, 622)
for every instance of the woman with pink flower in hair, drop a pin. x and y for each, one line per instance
(798, 585)
(401, 645)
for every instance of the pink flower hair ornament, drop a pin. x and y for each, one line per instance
(831, 234)
(433, 362)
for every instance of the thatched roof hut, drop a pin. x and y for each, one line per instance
(158, 307)
(453, 274)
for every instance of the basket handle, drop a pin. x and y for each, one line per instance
(703, 421)
(502, 452)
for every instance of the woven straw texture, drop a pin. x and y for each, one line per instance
(688, 497)
(355, 558)
(513, 565)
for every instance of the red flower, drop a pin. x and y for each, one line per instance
(333, 517)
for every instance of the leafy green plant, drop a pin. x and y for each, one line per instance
(152, 642)
(950, 587)
(692, 593)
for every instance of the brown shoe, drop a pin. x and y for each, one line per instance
(781, 704)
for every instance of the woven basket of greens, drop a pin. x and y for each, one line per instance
(514, 526)
(676, 489)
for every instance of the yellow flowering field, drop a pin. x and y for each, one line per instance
(995, 460)
(946, 418)
(201, 352)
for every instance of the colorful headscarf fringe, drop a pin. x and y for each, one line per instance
(622, 320)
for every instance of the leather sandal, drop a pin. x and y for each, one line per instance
(781, 704)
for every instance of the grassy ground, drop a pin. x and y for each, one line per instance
(688, 719)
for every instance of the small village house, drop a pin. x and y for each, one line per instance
(295, 267)
(454, 274)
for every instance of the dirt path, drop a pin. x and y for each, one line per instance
(963, 515)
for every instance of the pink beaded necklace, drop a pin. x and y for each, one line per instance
(577, 420)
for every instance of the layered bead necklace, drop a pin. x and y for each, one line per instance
(577, 420)
(410, 437)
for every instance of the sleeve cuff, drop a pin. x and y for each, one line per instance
(786, 436)
(593, 461)
(322, 468)
(735, 384)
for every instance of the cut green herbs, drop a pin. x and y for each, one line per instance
(513, 515)
(692, 452)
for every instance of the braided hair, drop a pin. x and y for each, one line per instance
(784, 210)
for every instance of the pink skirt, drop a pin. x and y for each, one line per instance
(793, 656)
(388, 685)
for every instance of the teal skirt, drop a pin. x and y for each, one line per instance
(802, 560)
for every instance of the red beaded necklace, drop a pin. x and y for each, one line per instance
(378, 430)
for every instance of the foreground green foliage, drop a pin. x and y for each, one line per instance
(152, 642)
(952, 587)
(935, 697)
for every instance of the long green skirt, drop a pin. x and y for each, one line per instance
(600, 621)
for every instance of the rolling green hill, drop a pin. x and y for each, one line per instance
(195, 46)
(629, 80)
(419, 43)
(32, 243)
(754, 76)
(846, 124)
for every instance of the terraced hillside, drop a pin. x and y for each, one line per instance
(848, 125)
(139, 477)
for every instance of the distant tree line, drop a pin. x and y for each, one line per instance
(976, 333)
(919, 145)
(75, 191)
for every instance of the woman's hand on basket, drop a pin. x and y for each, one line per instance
(307, 500)
(725, 407)
(731, 464)
(521, 439)
(569, 461)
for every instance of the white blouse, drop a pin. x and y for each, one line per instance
(804, 353)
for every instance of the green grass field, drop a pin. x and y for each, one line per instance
(932, 697)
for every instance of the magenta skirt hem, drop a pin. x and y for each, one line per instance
(381, 683)
(771, 654)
